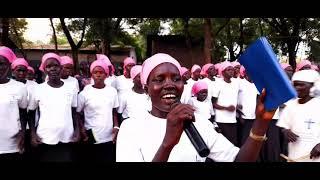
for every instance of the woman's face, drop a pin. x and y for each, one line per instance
(228, 72)
(196, 74)
(164, 87)
(137, 81)
(98, 75)
(4, 67)
(302, 88)
(20, 72)
(186, 76)
(128, 67)
(212, 71)
(202, 95)
(53, 68)
(67, 70)
(30, 75)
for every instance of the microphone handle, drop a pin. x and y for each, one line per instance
(196, 139)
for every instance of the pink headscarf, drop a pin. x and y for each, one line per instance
(302, 63)
(284, 65)
(195, 67)
(223, 66)
(183, 70)
(198, 86)
(152, 62)
(235, 63)
(7, 53)
(127, 61)
(107, 60)
(242, 71)
(66, 60)
(135, 71)
(19, 61)
(100, 63)
(47, 56)
(205, 68)
(31, 69)
(314, 67)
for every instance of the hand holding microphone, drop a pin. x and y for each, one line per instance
(180, 119)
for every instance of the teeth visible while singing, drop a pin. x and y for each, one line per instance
(169, 96)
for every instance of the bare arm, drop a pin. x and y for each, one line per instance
(249, 152)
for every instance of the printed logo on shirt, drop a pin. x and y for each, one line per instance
(13, 99)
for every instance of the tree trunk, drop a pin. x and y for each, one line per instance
(188, 38)
(54, 35)
(75, 59)
(21, 49)
(230, 44)
(241, 38)
(207, 40)
(105, 47)
(292, 53)
(4, 41)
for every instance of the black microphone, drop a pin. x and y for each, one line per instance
(195, 137)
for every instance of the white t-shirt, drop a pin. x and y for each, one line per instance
(55, 124)
(134, 103)
(227, 94)
(13, 95)
(203, 108)
(140, 139)
(72, 82)
(186, 94)
(31, 87)
(248, 94)
(123, 84)
(109, 81)
(98, 105)
(303, 120)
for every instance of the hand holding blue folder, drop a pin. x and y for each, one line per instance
(262, 66)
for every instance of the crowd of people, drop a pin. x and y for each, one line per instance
(139, 116)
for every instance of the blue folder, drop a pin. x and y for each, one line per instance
(263, 67)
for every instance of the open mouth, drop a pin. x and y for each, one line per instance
(169, 98)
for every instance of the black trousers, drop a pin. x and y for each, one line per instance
(16, 157)
(246, 127)
(61, 152)
(270, 151)
(103, 152)
(229, 130)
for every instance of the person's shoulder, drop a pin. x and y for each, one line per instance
(315, 100)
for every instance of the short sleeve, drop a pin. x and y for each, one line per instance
(23, 100)
(284, 120)
(74, 99)
(81, 102)
(221, 149)
(115, 100)
(127, 149)
(34, 98)
(122, 104)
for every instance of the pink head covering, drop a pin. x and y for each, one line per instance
(7, 53)
(107, 60)
(195, 67)
(127, 61)
(235, 63)
(100, 63)
(152, 62)
(205, 68)
(183, 70)
(47, 56)
(135, 71)
(314, 67)
(19, 61)
(66, 60)
(302, 63)
(242, 71)
(284, 65)
(31, 69)
(223, 66)
(198, 86)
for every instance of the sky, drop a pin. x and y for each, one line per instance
(39, 29)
